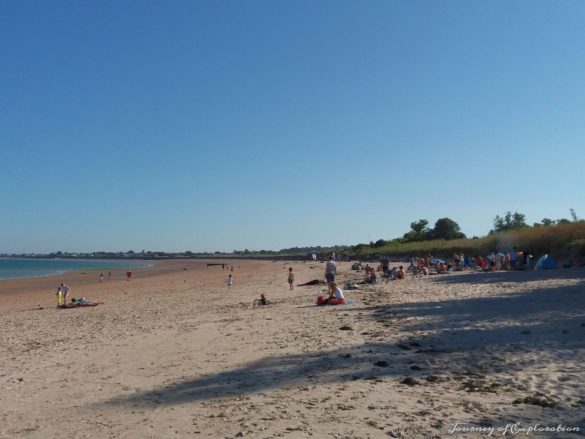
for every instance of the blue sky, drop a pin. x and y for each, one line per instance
(226, 125)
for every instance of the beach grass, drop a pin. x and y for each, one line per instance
(562, 241)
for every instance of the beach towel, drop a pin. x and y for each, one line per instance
(347, 302)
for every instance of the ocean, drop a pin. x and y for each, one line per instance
(19, 268)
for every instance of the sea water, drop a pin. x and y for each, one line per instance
(18, 268)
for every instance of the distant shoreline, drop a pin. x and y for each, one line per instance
(31, 268)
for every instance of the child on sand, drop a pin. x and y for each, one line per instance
(291, 278)
(230, 280)
(59, 294)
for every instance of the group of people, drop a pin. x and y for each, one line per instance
(335, 294)
(508, 260)
(63, 292)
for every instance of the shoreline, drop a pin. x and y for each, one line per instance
(53, 271)
(35, 291)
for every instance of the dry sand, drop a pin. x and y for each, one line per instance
(174, 354)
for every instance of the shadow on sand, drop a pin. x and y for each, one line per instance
(446, 337)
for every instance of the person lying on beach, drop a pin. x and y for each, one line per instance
(313, 282)
(79, 302)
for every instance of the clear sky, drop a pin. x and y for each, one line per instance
(222, 125)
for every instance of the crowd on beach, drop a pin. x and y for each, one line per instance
(506, 260)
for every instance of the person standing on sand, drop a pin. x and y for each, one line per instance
(230, 280)
(330, 272)
(291, 278)
(65, 290)
(514, 259)
(101, 277)
(59, 296)
(128, 274)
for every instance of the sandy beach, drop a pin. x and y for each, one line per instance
(174, 353)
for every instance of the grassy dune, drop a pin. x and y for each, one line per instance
(562, 241)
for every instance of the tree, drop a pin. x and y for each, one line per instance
(547, 222)
(509, 222)
(419, 227)
(419, 231)
(446, 228)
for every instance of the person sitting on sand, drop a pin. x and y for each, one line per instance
(400, 274)
(337, 293)
(336, 297)
(260, 302)
(441, 268)
(369, 277)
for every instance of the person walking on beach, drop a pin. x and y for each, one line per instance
(230, 280)
(128, 274)
(101, 277)
(330, 272)
(291, 278)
